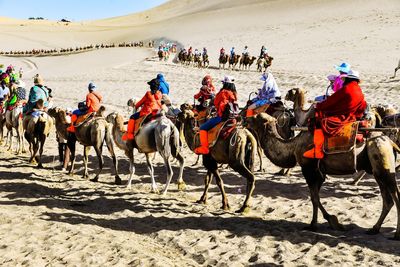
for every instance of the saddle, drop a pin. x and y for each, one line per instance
(84, 118)
(223, 129)
(139, 123)
(344, 141)
(261, 109)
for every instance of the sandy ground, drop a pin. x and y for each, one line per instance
(49, 218)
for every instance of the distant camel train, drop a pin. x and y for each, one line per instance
(71, 50)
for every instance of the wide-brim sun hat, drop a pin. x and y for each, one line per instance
(344, 67)
(228, 79)
(353, 74)
(38, 80)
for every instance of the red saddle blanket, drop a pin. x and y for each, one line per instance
(344, 140)
(223, 129)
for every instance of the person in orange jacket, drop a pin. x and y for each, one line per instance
(150, 104)
(225, 96)
(344, 106)
(93, 99)
(207, 91)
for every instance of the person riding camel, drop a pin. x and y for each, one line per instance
(38, 91)
(207, 91)
(92, 104)
(150, 104)
(344, 106)
(336, 81)
(222, 100)
(222, 52)
(93, 99)
(4, 92)
(190, 51)
(205, 52)
(268, 94)
(245, 51)
(164, 89)
(263, 52)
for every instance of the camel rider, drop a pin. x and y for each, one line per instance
(205, 52)
(207, 91)
(5, 77)
(222, 52)
(150, 104)
(263, 52)
(232, 52)
(164, 89)
(190, 51)
(197, 52)
(268, 94)
(93, 99)
(336, 81)
(222, 100)
(245, 51)
(4, 92)
(344, 106)
(38, 91)
(14, 77)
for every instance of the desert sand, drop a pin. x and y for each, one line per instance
(50, 218)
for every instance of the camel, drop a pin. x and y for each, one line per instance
(197, 61)
(238, 151)
(93, 133)
(14, 121)
(264, 63)
(246, 62)
(375, 156)
(61, 124)
(233, 61)
(37, 129)
(2, 124)
(159, 135)
(223, 59)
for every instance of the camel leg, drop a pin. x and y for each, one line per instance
(197, 161)
(170, 173)
(242, 170)
(395, 70)
(181, 183)
(220, 183)
(67, 156)
(154, 188)
(35, 150)
(207, 181)
(131, 167)
(71, 143)
(387, 204)
(110, 148)
(260, 153)
(99, 153)
(39, 157)
(11, 140)
(315, 180)
(86, 150)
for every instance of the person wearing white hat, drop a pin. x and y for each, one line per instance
(268, 94)
(38, 91)
(344, 106)
(225, 98)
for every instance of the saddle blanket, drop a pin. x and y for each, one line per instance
(344, 141)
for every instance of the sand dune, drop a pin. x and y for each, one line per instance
(51, 218)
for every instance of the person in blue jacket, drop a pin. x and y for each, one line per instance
(164, 89)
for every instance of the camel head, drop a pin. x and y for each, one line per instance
(187, 112)
(100, 112)
(261, 122)
(116, 120)
(294, 93)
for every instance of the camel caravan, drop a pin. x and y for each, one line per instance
(71, 50)
(339, 134)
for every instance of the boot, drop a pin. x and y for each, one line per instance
(203, 148)
(249, 112)
(316, 152)
(130, 133)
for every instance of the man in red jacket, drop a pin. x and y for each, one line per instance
(345, 106)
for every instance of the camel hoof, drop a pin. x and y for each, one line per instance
(40, 166)
(95, 179)
(372, 231)
(155, 191)
(243, 210)
(181, 186)
(334, 223)
(201, 201)
(71, 174)
(118, 180)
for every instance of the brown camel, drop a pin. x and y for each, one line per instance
(61, 124)
(264, 63)
(197, 61)
(206, 62)
(246, 62)
(159, 135)
(233, 61)
(14, 122)
(93, 133)
(223, 59)
(37, 129)
(375, 156)
(238, 151)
